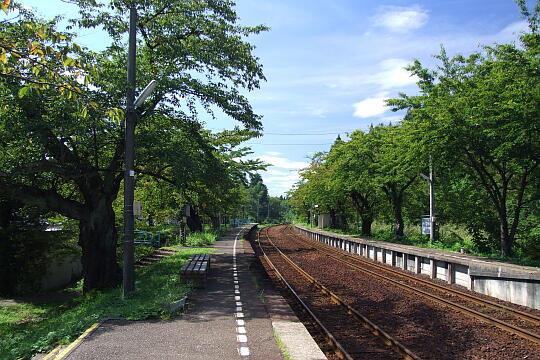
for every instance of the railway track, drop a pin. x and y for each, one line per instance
(506, 318)
(351, 334)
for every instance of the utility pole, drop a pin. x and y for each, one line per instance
(432, 219)
(129, 172)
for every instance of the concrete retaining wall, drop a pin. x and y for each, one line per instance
(517, 284)
(62, 272)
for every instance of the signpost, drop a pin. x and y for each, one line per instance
(426, 225)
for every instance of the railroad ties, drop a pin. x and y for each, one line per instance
(354, 299)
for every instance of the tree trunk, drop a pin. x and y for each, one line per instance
(194, 221)
(395, 197)
(333, 218)
(98, 238)
(398, 226)
(215, 222)
(366, 225)
(343, 222)
(506, 238)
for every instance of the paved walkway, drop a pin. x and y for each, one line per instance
(226, 320)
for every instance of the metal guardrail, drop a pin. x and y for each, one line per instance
(147, 238)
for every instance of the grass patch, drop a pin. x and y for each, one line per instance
(207, 237)
(282, 347)
(258, 287)
(201, 239)
(39, 327)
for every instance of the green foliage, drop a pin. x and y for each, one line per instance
(205, 238)
(62, 118)
(479, 115)
(27, 250)
(201, 239)
(477, 118)
(38, 327)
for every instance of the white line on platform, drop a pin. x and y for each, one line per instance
(240, 323)
(244, 351)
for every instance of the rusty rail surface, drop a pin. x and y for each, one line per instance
(340, 255)
(373, 328)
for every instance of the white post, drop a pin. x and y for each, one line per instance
(432, 220)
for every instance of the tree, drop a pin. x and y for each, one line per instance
(396, 167)
(482, 112)
(353, 167)
(258, 193)
(64, 153)
(318, 188)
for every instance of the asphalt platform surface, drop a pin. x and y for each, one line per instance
(221, 322)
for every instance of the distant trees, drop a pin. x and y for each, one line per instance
(481, 114)
(478, 118)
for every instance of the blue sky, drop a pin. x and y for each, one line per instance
(330, 64)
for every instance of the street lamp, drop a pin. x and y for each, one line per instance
(128, 280)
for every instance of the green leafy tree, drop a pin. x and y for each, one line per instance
(482, 112)
(317, 192)
(353, 167)
(396, 167)
(64, 153)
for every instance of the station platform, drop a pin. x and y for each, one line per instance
(236, 316)
(509, 282)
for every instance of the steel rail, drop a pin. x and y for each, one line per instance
(368, 324)
(518, 313)
(476, 314)
(338, 348)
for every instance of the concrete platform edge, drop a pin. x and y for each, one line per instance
(297, 340)
(58, 353)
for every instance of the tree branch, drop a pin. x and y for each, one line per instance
(48, 200)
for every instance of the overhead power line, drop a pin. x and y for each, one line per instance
(308, 134)
(306, 144)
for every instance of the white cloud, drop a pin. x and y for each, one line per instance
(371, 106)
(278, 185)
(400, 19)
(289, 179)
(282, 162)
(393, 74)
(276, 172)
(386, 74)
(273, 153)
(510, 31)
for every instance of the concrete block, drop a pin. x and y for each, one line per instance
(425, 266)
(378, 254)
(411, 262)
(461, 275)
(62, 272)
(441, 270)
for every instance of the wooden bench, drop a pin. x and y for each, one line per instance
(196, 269)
